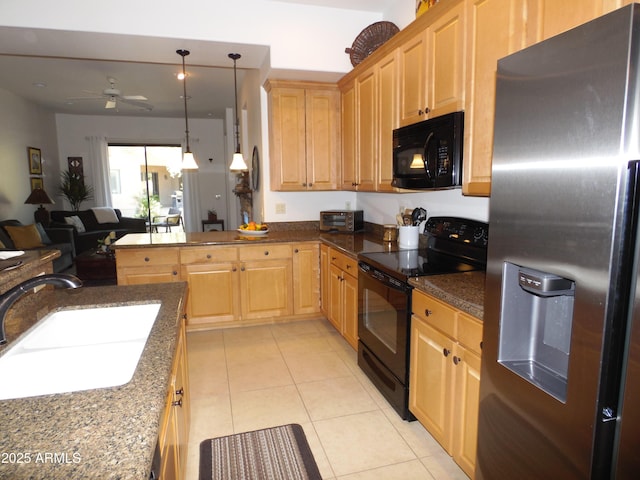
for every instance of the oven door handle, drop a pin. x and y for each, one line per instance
(385, 279)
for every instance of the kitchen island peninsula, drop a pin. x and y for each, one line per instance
(100, 433)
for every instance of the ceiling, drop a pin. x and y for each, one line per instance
(75, 86)
(51, 67)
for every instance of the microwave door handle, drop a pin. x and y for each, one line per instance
(425, 156)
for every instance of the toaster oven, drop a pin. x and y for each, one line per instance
(347, 221)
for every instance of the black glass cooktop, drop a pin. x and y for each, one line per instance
(415, 263)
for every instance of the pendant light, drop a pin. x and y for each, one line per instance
(237, 163)
(188, 160)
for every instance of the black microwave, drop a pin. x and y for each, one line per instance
(428, 154)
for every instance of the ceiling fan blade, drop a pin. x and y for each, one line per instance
(135, 103)
(141, 98)
(73, 99)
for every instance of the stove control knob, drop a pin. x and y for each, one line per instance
(480, 236)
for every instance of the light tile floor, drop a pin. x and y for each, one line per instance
(243, 379)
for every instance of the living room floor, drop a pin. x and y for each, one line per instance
(243, 379)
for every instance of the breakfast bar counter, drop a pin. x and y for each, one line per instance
(104, 433)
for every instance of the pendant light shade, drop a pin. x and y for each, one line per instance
(237, 163)
(188, 160)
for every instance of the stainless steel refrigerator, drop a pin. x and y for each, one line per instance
(560, 380)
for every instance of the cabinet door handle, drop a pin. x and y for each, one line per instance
(146, 259)
(177, 403)
(174, 273)
(180, 392)
(427, 312)
(446, 352)
(295, 250)
(234, 269)
(304, 184)
(242, 268)
(456, 360)
(311, 185)
(266, 252)
(208, 256)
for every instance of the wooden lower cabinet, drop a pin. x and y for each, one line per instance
(231, 285)
(342, 302)
(265, 289)
(147, 265)
(174, 425)
(306, 278)
(444, 383)
(221, 278)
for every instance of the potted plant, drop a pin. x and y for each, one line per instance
(74, 189)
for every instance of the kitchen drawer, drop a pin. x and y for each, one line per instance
(344, 262)
(469, 332)
(264, 252)
(146, 256)
(434, 312)
(192, 255)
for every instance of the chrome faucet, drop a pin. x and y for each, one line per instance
(8, 298)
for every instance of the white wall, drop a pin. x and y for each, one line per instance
(206, 140)
(23, 125)
(301, 37)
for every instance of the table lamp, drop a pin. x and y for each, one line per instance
(39, 197)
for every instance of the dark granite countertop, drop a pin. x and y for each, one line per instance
(30, 264)
(106, 433)
(463, 291)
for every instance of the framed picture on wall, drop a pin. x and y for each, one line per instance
(36, 182)
(35, 161)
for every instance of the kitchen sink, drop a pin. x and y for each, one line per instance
(77, 349)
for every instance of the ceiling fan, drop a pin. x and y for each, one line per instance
(113, 96)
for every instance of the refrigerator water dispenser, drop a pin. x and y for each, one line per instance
(535, 327)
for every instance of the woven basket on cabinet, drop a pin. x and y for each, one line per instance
(369, 40)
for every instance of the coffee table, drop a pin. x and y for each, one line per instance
(96, 268)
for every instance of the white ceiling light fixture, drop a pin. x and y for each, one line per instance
(188, 160)
(237, 163)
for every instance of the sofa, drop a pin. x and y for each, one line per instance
(94, 224)
(37, 237)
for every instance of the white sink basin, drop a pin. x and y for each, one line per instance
(72, 350)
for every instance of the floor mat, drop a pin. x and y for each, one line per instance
(277, 453)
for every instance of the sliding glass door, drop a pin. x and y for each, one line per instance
(146, 180)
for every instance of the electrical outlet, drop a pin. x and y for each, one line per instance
(281, 208)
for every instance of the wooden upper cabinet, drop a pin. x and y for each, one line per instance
(349, 136)
(322, 108)
(446, 62)
(367, 128)
(495, 29)
(360, 136)
(304, 135)
(432, 68)
(552, 17)
(413, 79)
(388, 119)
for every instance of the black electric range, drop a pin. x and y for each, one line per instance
(453, 245)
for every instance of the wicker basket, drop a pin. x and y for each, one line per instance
(369, 40)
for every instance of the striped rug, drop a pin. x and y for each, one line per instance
(277, 453)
